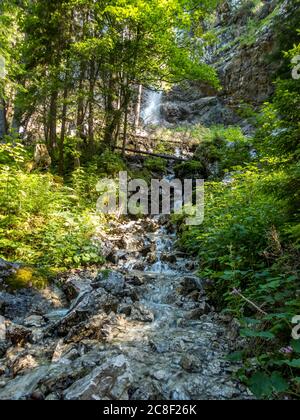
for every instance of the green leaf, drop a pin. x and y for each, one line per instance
(294, 363)
(261, 385)
(246, 332)
(236, 356)
(279, 383)
(296, 345)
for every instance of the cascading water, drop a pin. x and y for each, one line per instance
(151, 113)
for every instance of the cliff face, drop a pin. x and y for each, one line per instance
(248, 34)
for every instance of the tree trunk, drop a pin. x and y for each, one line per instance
(3, 122)
(138, 107)
(63, 132)
(80, 107)
(91, 135)
(53, 122)
(111, 129)
(125, 132)
(16, 121)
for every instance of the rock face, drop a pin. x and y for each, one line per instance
(247, 36)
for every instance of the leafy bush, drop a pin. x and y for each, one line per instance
(156, 165)
(42, 222)
(110, 164)
(191, 169)
(249, 243)
(221, 150)
(240, 251)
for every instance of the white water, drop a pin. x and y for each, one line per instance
(151, 113)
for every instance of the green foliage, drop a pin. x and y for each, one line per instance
(190, 169)
(248, 245)
(264, 385)
(221, 150)
(43, 222)
(27, 277)
(240, 250)
(110, 164)
(157, 165)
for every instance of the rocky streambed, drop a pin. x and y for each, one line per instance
(142, 329)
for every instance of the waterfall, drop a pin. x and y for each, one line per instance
(151, 113)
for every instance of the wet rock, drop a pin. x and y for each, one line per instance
(111, 381)
(159, 347)
(53, 397)
(7, 269)
(22, 387)
(94, 328)
(191, 265)
(140, 266)
(151, 259)
(3, 369)
(190, 363)
(179, 395)
(55, 297)
(196, 314)
(2, 329)
(75, 286)
(27, 302)
(65, 352)
(125, 309)
(169, 258)
(34, 321)
(140, 313)
(135, 280)
(147, 392)
(117, 257)
(37, 396)
(146, 250)
(112, 282)
(190, 284)
(3, 347)
(18, 335)
(205, 110)
(24, 363)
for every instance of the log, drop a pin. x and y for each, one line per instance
(161, 140)
(158, 155)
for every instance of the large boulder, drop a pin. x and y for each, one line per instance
(111, 381)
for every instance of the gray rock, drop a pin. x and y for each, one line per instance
(169, 258)
(24, 363)
(203, 309)
(190, 284)
(111, 381)
(7, 269)
(2, 329)
(22, 387)
(18, 335)
(34, 321)
(140, 313)
(190, 363)
(94, 328)
(76, 286)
